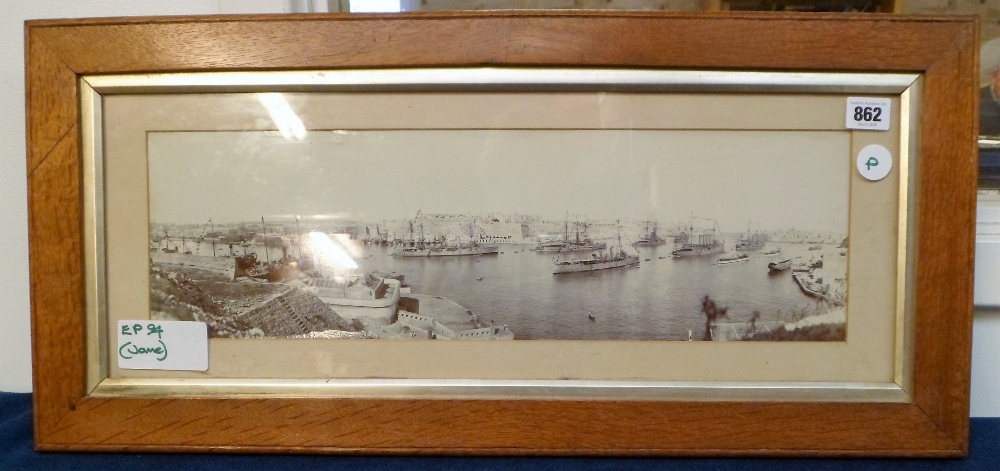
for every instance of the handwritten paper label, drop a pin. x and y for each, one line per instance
(868, 114)
(162, 345)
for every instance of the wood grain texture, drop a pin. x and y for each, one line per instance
(949, 161)
(55, 235)
(51, 117)
(57, 303)
(935, 424)
(496, 426)
(631, 39)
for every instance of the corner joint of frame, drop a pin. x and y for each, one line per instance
(956, 444)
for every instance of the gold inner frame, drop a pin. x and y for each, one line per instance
(904, 86)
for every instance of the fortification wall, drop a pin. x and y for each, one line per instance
(426, 323)
(295, 312)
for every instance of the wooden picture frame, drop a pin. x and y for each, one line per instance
(932, 421)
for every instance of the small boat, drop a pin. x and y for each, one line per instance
(801, 268)
(777, 267)
(735, 258)
(591, 316)
(479, 279)
(769, 253)
(816, 247)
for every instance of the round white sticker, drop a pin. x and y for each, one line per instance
(874, 162)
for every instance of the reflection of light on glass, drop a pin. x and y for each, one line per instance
(353, 247)
(327, 216)
(288, 123)
(329, 250)
(654, 189)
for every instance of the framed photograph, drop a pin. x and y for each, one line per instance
(503, 233)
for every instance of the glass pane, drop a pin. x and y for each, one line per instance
(989, 78)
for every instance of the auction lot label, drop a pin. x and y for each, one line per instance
(868, 113)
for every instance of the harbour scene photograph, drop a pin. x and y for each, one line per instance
(502, 234)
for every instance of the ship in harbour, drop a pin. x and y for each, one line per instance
(600, 261)
(546, 244)
(439, 247)
(697, 243)
(580, 243)
(778, 267)
(752, 240)
(650, 238)
(682, 238)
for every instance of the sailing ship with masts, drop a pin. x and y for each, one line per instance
(650, 238)
(282, 269)
(752, 239)
(600, 261)
(165, 240)
(701, 242)
(438, 247)
(581, 242)
(683, 234)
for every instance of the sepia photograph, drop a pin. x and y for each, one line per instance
(502, 234)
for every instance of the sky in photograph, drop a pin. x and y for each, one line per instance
(777, 179)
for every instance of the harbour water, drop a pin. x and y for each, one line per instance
(659, 300)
